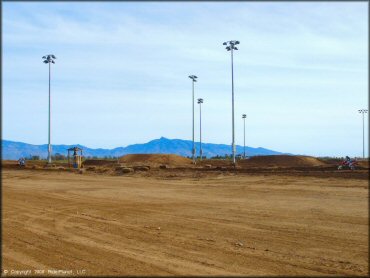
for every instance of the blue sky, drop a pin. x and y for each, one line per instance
(121, 74)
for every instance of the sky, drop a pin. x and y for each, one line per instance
(121, 73)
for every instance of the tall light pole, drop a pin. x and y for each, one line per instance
(244, 116)
(200, 101)
(48, 59)
(194, 79)
(363, 111)
(230, 46)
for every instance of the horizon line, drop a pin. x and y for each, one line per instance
(162, 137)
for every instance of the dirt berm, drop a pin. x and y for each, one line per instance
(99, 162)
(282, 161)
(168, 159)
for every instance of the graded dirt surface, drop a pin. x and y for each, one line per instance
(184, 223)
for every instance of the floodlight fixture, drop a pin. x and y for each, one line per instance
(231, 45)
(193, 77)
(49, 58)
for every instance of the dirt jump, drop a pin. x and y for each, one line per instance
(267, 161)
(169, 159)
(282, 161)
(98, 162)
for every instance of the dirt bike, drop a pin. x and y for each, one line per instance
(22, 163)
(347, 165)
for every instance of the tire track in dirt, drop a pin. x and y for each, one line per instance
(228, 226)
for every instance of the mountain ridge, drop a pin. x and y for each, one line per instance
(14, 150)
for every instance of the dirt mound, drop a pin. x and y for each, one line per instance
(215, 162)
(282, 161)
(98, 162)
(363, 163)
(169, 159)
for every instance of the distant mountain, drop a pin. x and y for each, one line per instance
(15, 150)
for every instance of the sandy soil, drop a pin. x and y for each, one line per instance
(171, 159)
(190, 224)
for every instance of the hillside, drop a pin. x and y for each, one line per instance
(14, 150)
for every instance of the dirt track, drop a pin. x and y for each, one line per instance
(222, 224)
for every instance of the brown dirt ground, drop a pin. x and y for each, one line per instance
(271, 161)
(185, 222)
(169, 159)
(98, 162)
(282, 161)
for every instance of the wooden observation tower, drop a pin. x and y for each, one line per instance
(75, 161)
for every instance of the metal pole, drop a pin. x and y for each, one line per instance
(244, 138)
(200, 125)
(363, 136)
(49, 146)
(232, 89)
(193, 151)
